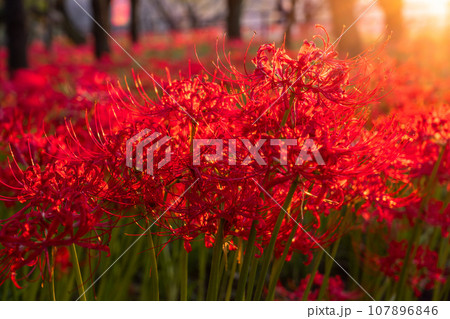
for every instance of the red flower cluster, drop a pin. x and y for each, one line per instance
(315, 96)
(426, 272)
(335, 291)
(70, 184)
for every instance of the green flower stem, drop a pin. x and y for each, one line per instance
(288, 111)
(268, 252)
(51, 252)
(278, 265)
(410, 252)
(443, 258)
(79, 278)
(126, 276)
(231, 277)
(214, 276)
(313, 275)
(328, 265)
(248, 257)
(381, 291)
(223, 274)
(274, 276)
(446, 292)
(251, 279)
(183, 274)
(330, 261)
(154, 281)
(201, 273)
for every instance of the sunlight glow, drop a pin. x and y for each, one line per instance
(433, 7)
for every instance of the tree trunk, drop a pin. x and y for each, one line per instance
(101, 15)
(171, 22)
(16, 33)
(343, 15)
(234, 19)
(191, 15)
(289, 23)
(309, 10)
(393, 12)
(69, 29)
(49, 34)
(134, 22)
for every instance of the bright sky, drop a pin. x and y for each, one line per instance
(418, 14)
(437, 7)
(428, 12)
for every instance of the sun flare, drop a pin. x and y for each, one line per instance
(434, 7)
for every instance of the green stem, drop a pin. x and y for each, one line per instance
(329, 262)
(183, 274)
(78, 276)
(443, 254)
(383, 289)
(231, 277)
(248, 257)
(267, 256)
(52, 273)
(287, 112)
(223, 277)
(154, 281)
(328, 266)
(278, 265)
(183, 252)
(442, 260)
(126, 275)
(167, 275)
(214, 276)
(313, 275)
(251, 279)
(446, 292)
(273, 279)
(401, 285)
(201, 273)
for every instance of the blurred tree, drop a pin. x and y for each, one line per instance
(342, 12)
(168, 18)
(40, 16)
(393, 12)
(16, 34)
(290, 21)
(234, 18)
(101, 15)
(288, 10)
(134, 21)
(67, 25)
(310, 9)
(196, 9)
(48, 24)
(192, 14)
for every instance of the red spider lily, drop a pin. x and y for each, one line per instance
(438, 215)
(426, 273)
(430, 131)
(335, 290)
(72, 184)
(62, 260)
(62, 205)
(30, 91)
(325, 103)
